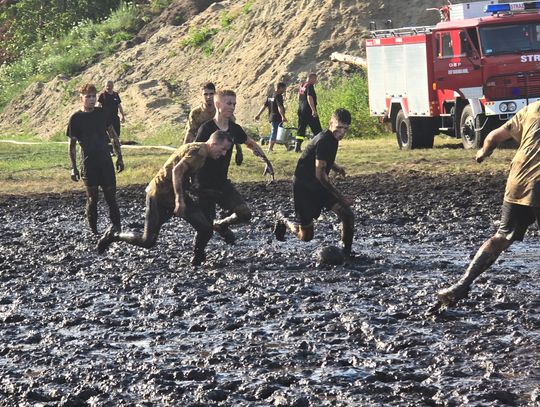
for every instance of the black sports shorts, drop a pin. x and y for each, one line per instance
(310, 200)
(516, 219)
(100, 173)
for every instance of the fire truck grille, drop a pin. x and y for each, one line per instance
(512, 87)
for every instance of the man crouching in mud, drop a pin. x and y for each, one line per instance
(313, 190)
(521, 205)
(92, 127)
(169, 194)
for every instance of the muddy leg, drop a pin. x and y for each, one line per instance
(114, 213)
(204, 231)
(484, 258)
(91, 208)
(346, 216)
(241, 214)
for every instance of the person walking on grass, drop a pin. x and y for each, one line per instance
(521, 204)
(313, 190)
(92, 129)
(307, 111)
(276, 112)
(169, 194)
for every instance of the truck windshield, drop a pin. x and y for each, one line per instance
(510, 39)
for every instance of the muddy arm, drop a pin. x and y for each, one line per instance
(493, 139)
(322, 177)
(178, 173)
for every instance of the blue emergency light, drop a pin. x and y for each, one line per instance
(502, 7)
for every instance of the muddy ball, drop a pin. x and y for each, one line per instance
(330, 255)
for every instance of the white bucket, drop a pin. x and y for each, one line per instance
(282, 134)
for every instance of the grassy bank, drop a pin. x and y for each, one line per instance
(44, 168)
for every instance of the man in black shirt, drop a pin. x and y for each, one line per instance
(211, 183)
(307, 111)
(91, 128)
(276, 112)
(313, 190)
(111, 102)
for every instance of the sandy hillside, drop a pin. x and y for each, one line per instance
(158, 78)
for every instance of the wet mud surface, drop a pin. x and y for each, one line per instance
(261, 324)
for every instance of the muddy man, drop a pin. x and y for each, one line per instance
(521, 206)
(313, 190)
(169, 194)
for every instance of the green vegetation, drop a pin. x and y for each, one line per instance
(200, 38)
(45, 167)
(247, 7)
(85, 43)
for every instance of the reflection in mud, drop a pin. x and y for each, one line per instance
(260, 324)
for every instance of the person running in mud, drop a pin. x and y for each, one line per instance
(169, 194)
(276, 112)
(307, 111)
(213, 185)
(203, 113)
(521, 204)
(111, 102)
(313, 190)
(91, 128)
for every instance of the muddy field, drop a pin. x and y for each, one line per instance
(261, 324)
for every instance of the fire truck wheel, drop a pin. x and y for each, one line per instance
(409, 133)
(467, 129)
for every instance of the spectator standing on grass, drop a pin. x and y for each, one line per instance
(313, 190)
(111, 102)
(92, 129)
(276, 112)
(521, 204)
(307, 111)
(204, 112)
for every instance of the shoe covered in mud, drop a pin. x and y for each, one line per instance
(348, 253)
(280, 228)
(108, 237)
(198, 258)
(226, 233)
(449, 297)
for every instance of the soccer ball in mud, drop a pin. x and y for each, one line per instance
(330, 255)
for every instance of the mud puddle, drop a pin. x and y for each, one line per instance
(261, 324)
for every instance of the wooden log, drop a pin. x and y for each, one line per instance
(348, 59)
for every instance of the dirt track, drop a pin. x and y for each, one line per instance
(261, 324)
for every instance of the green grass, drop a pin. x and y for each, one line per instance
(44, 168)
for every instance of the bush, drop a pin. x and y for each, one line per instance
(346, 91)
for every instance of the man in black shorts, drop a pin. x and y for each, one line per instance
(307, 111)
(312, 189)
(521, 205)
(111, 102)
(169, 194)
(276, 112)
(91, 127)
(212, 182)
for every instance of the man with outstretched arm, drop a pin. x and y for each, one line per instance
(212, 180)
(204, 112)
(169, 193)
(521, 205)
(92, 129)
(313, 190)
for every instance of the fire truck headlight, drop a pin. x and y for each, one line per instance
(503, 107)
(512, 106)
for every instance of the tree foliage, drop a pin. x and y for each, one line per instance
(26, 22)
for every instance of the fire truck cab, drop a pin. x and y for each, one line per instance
(462, 77)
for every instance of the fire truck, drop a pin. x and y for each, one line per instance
(463, 77)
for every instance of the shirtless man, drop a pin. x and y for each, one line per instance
(212, 180)
(204, 112)
(521, 205)
(92, 129)
(169, 194)
(312, 189)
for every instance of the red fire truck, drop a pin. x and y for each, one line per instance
(462, 77)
